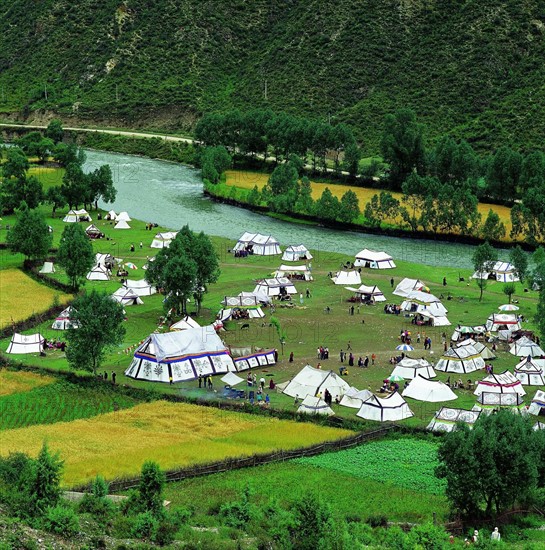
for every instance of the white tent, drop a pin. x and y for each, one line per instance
(462, 360)
(48, 267)
(353, 398)
(346, 278)
(75, 216)
(181, 355)
(500, 383)
(184, 323)
(93, 232)
(231, 379)
(260, 245)
(105, 260)
(423, 389)
(539, 426)
(503, 272)
(127, 297)
(417, 301)
(480, 348)
(262, 298)
(163, 240)
(310, 381)
(374, 260)
(251, 312)
(406, 286)
(112, 215)
(489, 401)
(410, 368)
(275, 287)
(140, 287)
(391, 408)
(368, 293)
(537, 406)
(446, 418)
(252, 360)
(529, 373)
(502, 321)
(434, 320)
(123, 216)
(315, 405)
(250, 305)
(525, 347)
(301, 272)
(122, 224)
(98, 273)
(63, 321)
(26, 343)
(463, 331)
(295, 253)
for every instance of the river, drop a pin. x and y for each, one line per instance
(171, 195)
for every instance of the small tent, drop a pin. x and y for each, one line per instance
(274, 288)
(353, 398)
(423, 389)
(298, 272)
(75, 216)
(347, 278)
(310, 381)
(446, 419)
(296, 253)
(98, 273)
(315, 405)
(529, 373)
(26, 343)
(417, 301)
(123, 216)
(464, 331)
(140, 287)
(122, 224)
(184, 323)
(93, 232)
(182, 355)
(524, 347)
(257, 244)
(502, 321)
(480, 348)
(163, 240)
(391, 408)
(111, 215)
(105, 260)
(490, 401)
(261, 298)
(253, 360)
(537, 406)
(64, 321)
(500, 383)
(406, 286)
(539, 426)
(374, 260)
(241, 307)
(503, 272)
(410, 368)
(370, 294)
(48, 267)
(127, 297)
(462, 360)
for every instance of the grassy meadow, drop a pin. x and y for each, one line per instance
(18, 382)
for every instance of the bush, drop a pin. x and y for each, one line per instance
(145, 526)
(61, 520)
(378, 521)
(427, 537)
(238, 514)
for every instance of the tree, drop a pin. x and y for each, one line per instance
(509, 289)
(519, 259)
(54, 131)
(313, 522)
(503, 174)
(44, 148)
(69, 154)
(484, 259)
(352, 156)
(14, 192)
(74, 186)
(540, 314)
(150, 489)
(30, 235)
(402, 145)
(328, 206)
(101, 186)
(45, 488)
(350, 207)
(75, 254)
(305, 202)
(532, 172)
(16, 164)
(283, 188)
(493, 228)
(254, 196)
(55, 197)
(29, 142)
(480, 465)
(214, 161)
(100, 326)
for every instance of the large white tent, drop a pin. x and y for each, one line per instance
(48, 267)
(391, 408)
(406, 286)
(503, 272)
(310, 381)
(529, 373)
(127, 297)
(537, 406)
(140, 287)
(524, 347)
(26, 343)
(64, 321)
(462, 360)
(163, 240)
(500, 383)
(98, 273)
(465, 331)
(315, 405)
(122, 224)
(489, 401)
(75, 216)
(105, 260)
(184, 323)
(123, 216)
(353, 398)
(275, 287)
(423, 389)
(257, 244)
(502, 321)
(181, 355)
(374, 260)
(301, 272)
(296, 253)
(480, 348)
(368, 293)
(446, 419)
(417, 301)
(346, 278)
(262, 298)
(410, 368)
(254, 359)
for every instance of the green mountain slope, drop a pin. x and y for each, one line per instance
(473, 68)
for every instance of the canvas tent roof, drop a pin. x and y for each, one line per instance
(253, 313)
(446, 418)
(315, 405)
(410, 368)
(353, 398)
(423, 389)
(529, 373)
(163, 240)
(75, 216)
(254, 360)
(462, 360)
(127, 297)
(372, 292)
(501, 271)
(464, 330)
(481, 349)
(122, 224)
(260, 245)
(241, 301)
(271, 287)
(63, 321)
(500, 383)
(310, 381)
(374, 259)
(92, 229)
(123, 216)
(294, 253)
(104, 259)
(406, 286)
(435, 320)
(25, 343)
(525, 347)
(48, 267)
(260, 296)
(98, 273)
(537, 406)
(184, 323)
(112, 215)
(296, 269)
(140, 287)
(231, 379)
(182, 355)
(502, 321)
(539, 426)
(494, 400)
(346, 278)
(391, 408)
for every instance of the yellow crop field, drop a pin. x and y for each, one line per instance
(247, 180)
(21, 296)
(18, 382)
(172, 434)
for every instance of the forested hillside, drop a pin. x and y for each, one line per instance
(469, 67)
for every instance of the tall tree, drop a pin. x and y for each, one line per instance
(305, 202)
(352, 156)
(519, 259)
(532, 172)
(283, 188)
(16, 164)
(100, 326)
(350, 207)
(45, 490)
(55, 131)
(503, 174)
(101, 186)
(484, 259)
(75, 254)
(16, 191)
(327, 206)
(30, 235)
(55, 197)
(540, 313)
(44, 148)
(493, 228)
(74, 186)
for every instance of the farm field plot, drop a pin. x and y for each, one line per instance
(116, 444)
(21, 296)
(16, 382)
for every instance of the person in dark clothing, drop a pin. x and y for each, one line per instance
(351, 360)
(444, 281)
(113, 377)
(200, 381)
(105, 375)
(366, 362)
(291, 357)
(392, 282)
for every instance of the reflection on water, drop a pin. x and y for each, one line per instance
(171, 195)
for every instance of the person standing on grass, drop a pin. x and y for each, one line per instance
(291, 357)
(349, 346)
(200, 381)
(113, 377)
(342, 356)
(262, 383)
(366, 362)
(210, 385)
(105, 375)
(495, 534)
(351, 360)
(267, 400)
(373, 359)
(392, 282)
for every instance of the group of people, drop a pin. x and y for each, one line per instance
(327, 397)
(392, 309)
(322, 353)
(54, 344)
(388, 387)
(242, 253)
(150, 226)
(240, 314)
(206, 382)
(105, 376)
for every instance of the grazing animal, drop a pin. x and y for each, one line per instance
(245, 326)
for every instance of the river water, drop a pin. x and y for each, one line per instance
(171, 195)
